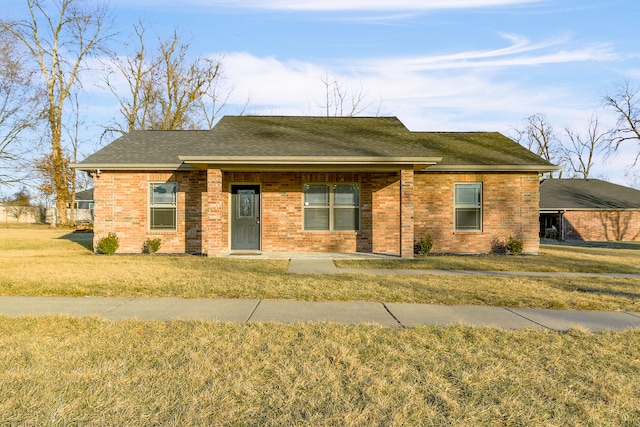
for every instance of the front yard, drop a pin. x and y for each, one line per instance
(61, 371)
(41, 261)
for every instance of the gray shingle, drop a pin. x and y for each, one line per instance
(478, 148)
(586, 194)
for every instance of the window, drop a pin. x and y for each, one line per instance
(163, 206)
(468, 207)
(331, 207)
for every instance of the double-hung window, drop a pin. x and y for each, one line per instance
(163, 206)
(468, 207)
(331, 207)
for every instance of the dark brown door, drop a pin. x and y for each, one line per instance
(245, 217)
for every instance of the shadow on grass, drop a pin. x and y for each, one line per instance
(603, 245)
(82, 238)
(600, 291)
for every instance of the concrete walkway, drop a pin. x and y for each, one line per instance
(323, 263)
(287, 311)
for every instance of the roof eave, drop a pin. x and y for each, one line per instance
(492, 168)
(93, 167)
(311, 160)
(288, 163)
(583, 209)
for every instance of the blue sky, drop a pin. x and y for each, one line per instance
(452, 65)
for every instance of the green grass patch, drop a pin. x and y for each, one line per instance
(57, 371)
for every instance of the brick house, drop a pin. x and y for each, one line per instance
(589, 209)
(315, 184)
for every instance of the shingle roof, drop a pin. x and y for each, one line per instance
(85, 195)
(561, 194)
(314, 136)
(280, 138)
(148, 147)
(477, 149)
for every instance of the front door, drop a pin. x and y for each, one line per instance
(245, 217)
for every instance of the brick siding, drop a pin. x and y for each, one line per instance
(510, 207)
(121, 205)
(602, 225)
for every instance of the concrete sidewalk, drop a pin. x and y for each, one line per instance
(315, 263)
(288, 311)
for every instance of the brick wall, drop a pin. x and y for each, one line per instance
(602, 225)
(122, 206)
(510, 205)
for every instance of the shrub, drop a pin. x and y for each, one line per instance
(498, 246)
(514, 245)
(423, 246)
(108, 245)
(151, 246)
(552, 234)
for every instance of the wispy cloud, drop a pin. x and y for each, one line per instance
(521, 52)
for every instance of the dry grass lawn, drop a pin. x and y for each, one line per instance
(551, 258)
(61, 371)
(57, 371)
(41, 261)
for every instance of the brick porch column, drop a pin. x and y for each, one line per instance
(213, 215)
(406, 213)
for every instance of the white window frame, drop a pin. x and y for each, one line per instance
(476, 206)
(154, 205)
(331, 206)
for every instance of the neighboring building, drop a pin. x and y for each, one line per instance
(589, 209)
(83, 211)
(319, 184)
(84, 199)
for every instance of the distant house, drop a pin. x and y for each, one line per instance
(84, 206)
(84, 199)
(315, 184)
(589, 209)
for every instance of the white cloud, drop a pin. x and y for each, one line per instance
(468, 84)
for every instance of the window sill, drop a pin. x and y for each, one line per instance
(332, 231)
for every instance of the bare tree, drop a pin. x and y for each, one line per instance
(579, 152)
(59, 39)
(539, 136)
(19, 108)
(136, 68)
(625, 102)
(341, 100)
(215, 100)
(165, 89)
